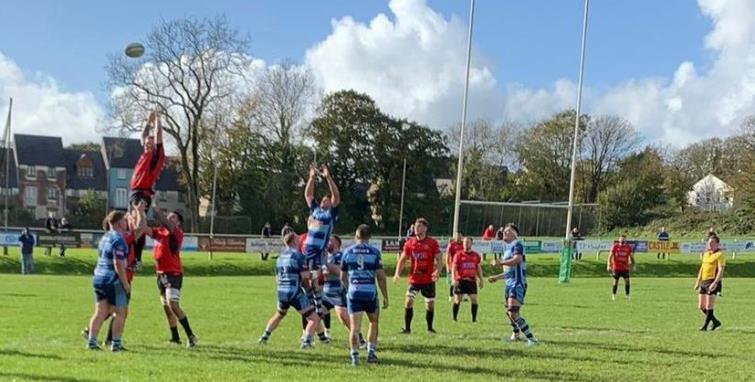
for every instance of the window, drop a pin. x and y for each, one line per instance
(121, 198)
(85, 172)
(51, 173)
(52, 194)
(163, 195)
(31, 172)
(30, 195)
(121, 173)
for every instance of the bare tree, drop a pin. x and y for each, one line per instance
(191, 68)
(608, 140)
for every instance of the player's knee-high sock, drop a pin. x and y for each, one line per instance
(139, 247)
(710, 317)
(317, 299)
(626, 288)
(456, 310)
(304, 323)
(187, 328)
(451, 291)
(514, 328)
(429, 317)
(326, 321)
(174, 334)
(522, 324)
(109, 332)
(408, 316)
(474, 312)
(614, 288)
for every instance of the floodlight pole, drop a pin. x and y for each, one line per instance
(459, 167)
(401, 210)
(576, 123)
(212, 210)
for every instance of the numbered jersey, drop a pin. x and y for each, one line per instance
(288, 270)
(361, 263)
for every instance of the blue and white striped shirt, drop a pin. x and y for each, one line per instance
(361, 262)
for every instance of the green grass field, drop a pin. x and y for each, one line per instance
(585, 336)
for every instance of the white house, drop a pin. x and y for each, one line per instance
(711, 194)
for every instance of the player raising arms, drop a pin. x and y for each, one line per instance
(709, 280)
(320, 224)
(455, 245)
(291, 276)
(167, 255)
(620, 262)
(466, 270)
(426, 264)
(110, 284)
(146, 172)
(515, 280)
(360, 266)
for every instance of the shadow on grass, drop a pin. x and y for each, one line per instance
(33, 377)
(603, 330)
(19, 294)
(16, 353)
(645, 350)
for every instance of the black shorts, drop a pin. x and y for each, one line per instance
(705, 287)
(139, 195)
(620, 274)
(466, 287)
(169, 280)
(427, 290)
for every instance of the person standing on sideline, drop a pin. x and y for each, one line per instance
(52, 228)
(514, 274)
(576, 236)
(620, 263)
(65, 226)
(27, 248)
(498, 237)
(708, 281)
(455, 245)
(664, 237)
(487, 235)
(267, 232)
(467, 271)
(361, 267)
(426, 264)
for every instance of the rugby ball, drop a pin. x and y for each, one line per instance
(134, 50)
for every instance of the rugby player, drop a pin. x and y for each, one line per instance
(320, 224)
(109, 282)
(290, 276)
(454, 245)
(361, 265)
(146, 172)
(515, 280)
(620, 263)
(708, 281)
(426, 264)
(167, 255)
(467, 271)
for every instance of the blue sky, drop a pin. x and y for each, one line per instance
(652, 62)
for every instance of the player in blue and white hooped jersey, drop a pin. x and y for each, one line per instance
(334, 293)
(322, 218)
(291, 276)
(111, 287)
(515, 280)
(361, 269)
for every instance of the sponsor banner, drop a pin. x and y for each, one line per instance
(746, 246)
(639, 245)
(68, 239)
(90, 240)
(663, 247)
(551, 246)
(262, 245)
(393, 245)
(190, 244)
(10, 238)
(532, 246)
(594, 245)
(223, 244)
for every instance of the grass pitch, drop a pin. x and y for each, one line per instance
(585, 336)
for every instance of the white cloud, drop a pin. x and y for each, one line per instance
(412, 64)
(40, 107)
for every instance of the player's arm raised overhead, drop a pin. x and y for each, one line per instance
(158, 129)
(309, 189)
(335, 194)
(147, 127)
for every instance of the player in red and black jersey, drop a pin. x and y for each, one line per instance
(620, 263)
(466, 271)
(167, 255)
(455, 245)
(146, 171)
(426, 264)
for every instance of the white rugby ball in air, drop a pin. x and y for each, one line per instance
(134, 50)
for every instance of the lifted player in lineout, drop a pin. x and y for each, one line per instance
(320, 224)
(426, 264)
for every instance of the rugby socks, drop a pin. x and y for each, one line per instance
(451, 291)
(522, 324)
(187, 328)
(710, 317)
(474, 312)
(317, 299)
(174, 334)
(361, 338)
(326, 322)
(455, 310)
(139, 248)
(322, 337)
(514, 328)
(109, 332)
(266, 334)
(429, 317)
(408, 316)
(614, 289)
(116, 344)
(92, 341)
(371, 347)
(626, 289)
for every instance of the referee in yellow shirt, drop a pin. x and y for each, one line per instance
(708, 281)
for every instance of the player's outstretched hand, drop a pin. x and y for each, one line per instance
(436, 275)
(312, 171)
(482, 283)
(495, 263)
(395, 279)
(152, 117)
(325, 171)
(696, 287)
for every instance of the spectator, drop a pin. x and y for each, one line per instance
(498, 237)
(487, 235)
(65, 226)
(266, 233)
(52, 228)
(27, 247)
(663, 236)
(575, 237)
(286, 230)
